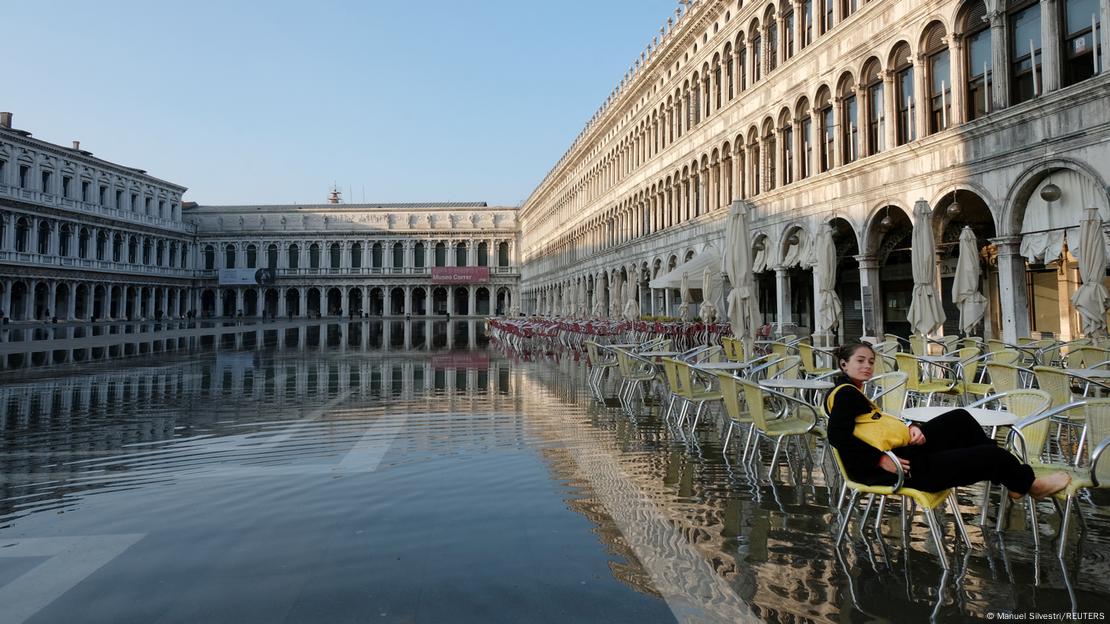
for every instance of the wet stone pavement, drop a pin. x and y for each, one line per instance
(312, 480)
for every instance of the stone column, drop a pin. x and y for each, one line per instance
(71, 303)
(1050, 48)
(408, 300)
(107, 312)
(920, 98)
(472, 301)
(219, 304)
(51, 299)
(281, 309)
(870, 296)
(890, 111)
(343, 290)
(1012, 289)
(957, 79)
(450, 299)
(1000, 70)
(302, 293)
(782, 291)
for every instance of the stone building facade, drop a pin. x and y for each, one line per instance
(83, 238)
(840, 114)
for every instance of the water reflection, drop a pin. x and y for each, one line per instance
(324, 462)
(33, 346)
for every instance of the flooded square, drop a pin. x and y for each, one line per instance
(316, 474)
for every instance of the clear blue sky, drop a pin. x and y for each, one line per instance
(430, 100)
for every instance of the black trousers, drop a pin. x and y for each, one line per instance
(957, 452)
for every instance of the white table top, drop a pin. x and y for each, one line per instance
(803, 384)
(658, 353)
(1090, 373)
(985, 417)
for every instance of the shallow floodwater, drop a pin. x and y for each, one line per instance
(331, 480)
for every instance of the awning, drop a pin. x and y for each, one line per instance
(694, 267)
(1046, 224)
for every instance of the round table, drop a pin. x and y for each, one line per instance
(1089, 373)
(939, 359)
(658, 354)
(797, 384)
(985, 417)
(721, 366)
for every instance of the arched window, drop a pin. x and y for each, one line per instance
(772, 39)
(977, 60)
(460, 254)
(184, 255)
(44, 237)
(376, 256)
(483, 254)
(171, 256)
(159, 253)
(252, 257)
(133, 250)
(939, 79)
(441, 255)
(209, 258)
(849, 120)
(229, 257)
(83, 243)
(769, 152)
(335, 255)
(503, 254)
(418, 255)
(272, 256)
(356, 256)
(695, 110)
(730, 72)
(754, 160)
(757, 52)
(805, 126)
(826, 15)
(824, 112)
(146, 251)
(788, 30)
(101, 245)
(314, 256)
(1080, 29)
(117, 248)
(717, 74)
(398, 256)
(65, 235)
(847, 7)
(1025, 53)
(786, 129)
(873, 88)
(807, 22)
(742, 61)
(294, 257)
(903, 92)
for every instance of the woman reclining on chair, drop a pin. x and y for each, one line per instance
(948, 451)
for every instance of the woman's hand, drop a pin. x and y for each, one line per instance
(916, 436)
(888, 465)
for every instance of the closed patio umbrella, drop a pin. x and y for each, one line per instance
(632, 305)
(738, 265)
(824, 273)
(615, 297)
(684, 300)
(925, 313)
(583, 310)
(708, 311)
(1090, 299)
(965, 286)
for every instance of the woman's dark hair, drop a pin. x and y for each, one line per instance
(844, 353)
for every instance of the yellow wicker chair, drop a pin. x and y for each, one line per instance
(738, 417)
(1005, 356)
(1006, 377)
(790, 421)
(692, 392)
(599, 362)
(634, 373)
(969, 367)
(733, 349)
(927, 501)
(919, 345)
(890, 390)
(1029, 439)
(918, 386)
(809, 361)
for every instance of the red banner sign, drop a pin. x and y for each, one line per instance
(460, 275)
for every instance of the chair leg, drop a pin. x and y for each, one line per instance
(847, 517)
(1032, 506)
(728, 436)
(952, 502)
(879, 517)
(1064, 527)
(938, 537)
(774, 457)
(697, 415)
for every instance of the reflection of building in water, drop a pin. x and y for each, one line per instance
(839, 115)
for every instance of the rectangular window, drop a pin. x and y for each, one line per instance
(119, 200)
(147, 203)
(3, 172)
(979, 74)
(134, 202)
(85, 190)
(787, 155)
(826, 139)
(807, 146)
(807, 25)
(24, 173)
(940, 94)
(851, 130)
(103, 195)
(45, 188)
(905, 104)
(788, 33)
(1025, 54)
(875, 123)
(827, 19)
(1080, 40)
(66, 181)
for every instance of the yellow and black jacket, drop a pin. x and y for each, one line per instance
(860, 431)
